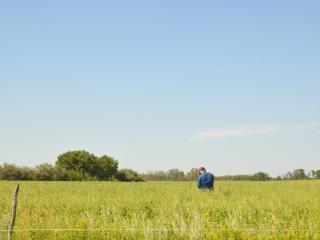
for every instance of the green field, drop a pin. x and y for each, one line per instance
(163, 210)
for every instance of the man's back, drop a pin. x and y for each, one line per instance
(205, 181)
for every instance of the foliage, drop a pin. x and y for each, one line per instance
(155, 176)
(85, 166)
(128, 175)
(193, 174)
(164, 210)
(107, 167)
(46, 172)
(72, 165)
(175, 175)
(299, 174)
(13, 172)
(82, 165)
(170, 175)
(261, 176)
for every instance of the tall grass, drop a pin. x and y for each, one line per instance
(163, 210)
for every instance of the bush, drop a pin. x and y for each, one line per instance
(82, 165)
(128, 175)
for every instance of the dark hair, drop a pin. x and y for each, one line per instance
(202, 169)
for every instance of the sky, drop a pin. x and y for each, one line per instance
(230, 85)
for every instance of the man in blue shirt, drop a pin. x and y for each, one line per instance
(205, 179)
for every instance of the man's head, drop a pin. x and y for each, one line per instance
(202, 170)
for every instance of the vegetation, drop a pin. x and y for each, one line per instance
(72, 165)
(84, 166)
(155, 210)
(177, 175)
(106, 169)
(164, 210)
(128, 175)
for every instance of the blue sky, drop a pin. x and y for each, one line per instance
(233, 86)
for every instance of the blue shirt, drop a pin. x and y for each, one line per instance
(205, 180)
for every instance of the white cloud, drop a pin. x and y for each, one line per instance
(230, 132)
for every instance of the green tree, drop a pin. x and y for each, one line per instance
(299, 174)
(192, 174)
(46, 172)
(128, 175)
(175, 175)
(107, 167)
(312, 174)
(155, 176)
(13, 172)
(261, 176)
(82, 165)
(288, 175)
(317, 174)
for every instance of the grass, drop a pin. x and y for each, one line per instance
(163, 210)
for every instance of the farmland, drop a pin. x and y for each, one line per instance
(163, 210)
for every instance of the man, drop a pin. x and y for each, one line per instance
(205, 179)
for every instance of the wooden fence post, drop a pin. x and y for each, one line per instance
(13, 213)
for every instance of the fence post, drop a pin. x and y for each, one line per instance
(13, 213)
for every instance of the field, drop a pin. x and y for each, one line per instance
(163, 210)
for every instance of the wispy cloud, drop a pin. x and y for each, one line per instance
(230, 132)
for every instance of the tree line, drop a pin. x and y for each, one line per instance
(85, 166)
(71, 166)
(177, 175)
